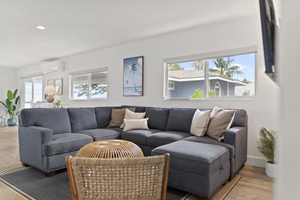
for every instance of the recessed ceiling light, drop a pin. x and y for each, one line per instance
(41, 27)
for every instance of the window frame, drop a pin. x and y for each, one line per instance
(87, 73)
(206, 57)
(32, 80)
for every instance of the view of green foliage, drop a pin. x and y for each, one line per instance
(174, 67)
(198, 94)
(198, 65)
(83, 89)
(224, 69)
(212, 93)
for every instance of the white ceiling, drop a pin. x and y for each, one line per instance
(76, 26)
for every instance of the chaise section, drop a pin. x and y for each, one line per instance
(166, 137)
(196, 167)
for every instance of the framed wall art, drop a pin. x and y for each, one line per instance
(59, 86)
(133, 76)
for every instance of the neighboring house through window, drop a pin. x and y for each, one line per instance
(215, 75)
(91, 84)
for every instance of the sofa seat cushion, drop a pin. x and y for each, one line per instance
(138, 137)
(65, 142)
(103, 133)
(193, 157)
(209, 140)
(165, 137)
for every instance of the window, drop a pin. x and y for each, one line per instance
(171, 85)
(211, 76)
(89, 85)
(33, 88)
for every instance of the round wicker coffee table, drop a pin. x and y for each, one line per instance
(110, 149)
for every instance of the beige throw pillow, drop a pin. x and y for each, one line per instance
(132, 115)
(200, 122)
(220, 121)
(117, 116)
(135, 124)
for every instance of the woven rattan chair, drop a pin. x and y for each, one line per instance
(142, 178)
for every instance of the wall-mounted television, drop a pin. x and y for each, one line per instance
(269, 28)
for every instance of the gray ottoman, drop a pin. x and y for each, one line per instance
(195, 167)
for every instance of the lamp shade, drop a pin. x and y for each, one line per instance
(50, 89)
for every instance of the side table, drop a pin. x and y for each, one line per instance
(110, 149)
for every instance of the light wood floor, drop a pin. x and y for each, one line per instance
(254, 184)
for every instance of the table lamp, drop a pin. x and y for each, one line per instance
(50, 91)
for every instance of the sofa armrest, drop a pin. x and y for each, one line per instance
(31, 139)
(237, 137)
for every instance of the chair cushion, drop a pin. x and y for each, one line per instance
(64, 143)
(158, 118)
(103, 133)
(180, 119)
(166, 137)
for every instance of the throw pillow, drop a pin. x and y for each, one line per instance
(117, 117)
(220, 121)
(132, 115)
(135, 124)
(200, 122)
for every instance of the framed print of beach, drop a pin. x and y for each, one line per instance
(133, 75)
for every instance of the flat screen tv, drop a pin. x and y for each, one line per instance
(269, 26)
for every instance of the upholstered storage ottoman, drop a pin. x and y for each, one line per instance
(195, 167)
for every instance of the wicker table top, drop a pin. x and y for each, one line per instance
(110, 149)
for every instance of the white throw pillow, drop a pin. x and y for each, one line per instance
(132, 115)
(135, 124)
(200, 122)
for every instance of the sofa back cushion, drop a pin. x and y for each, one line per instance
(82, 118)
(103, 115)
(180, 119)
(56, 119)
(158, 117)
(137, 108)
(240, 118)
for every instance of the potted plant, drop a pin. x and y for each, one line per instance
(11, 106)
(58, 103)
(267, 146)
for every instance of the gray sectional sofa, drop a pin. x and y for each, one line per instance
(200, 165)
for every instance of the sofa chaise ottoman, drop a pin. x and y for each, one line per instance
(199, 169)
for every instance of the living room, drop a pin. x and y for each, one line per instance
(224, 35)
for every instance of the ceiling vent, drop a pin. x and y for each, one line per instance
(53, 66)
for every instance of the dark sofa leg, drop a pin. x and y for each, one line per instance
(25, 165)
(50, 174)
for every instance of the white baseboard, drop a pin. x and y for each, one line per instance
(255, 161)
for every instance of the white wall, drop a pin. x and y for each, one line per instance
(288, 185)
(8, 81)
(245, 32)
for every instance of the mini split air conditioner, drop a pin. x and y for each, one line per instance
(53, 66)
